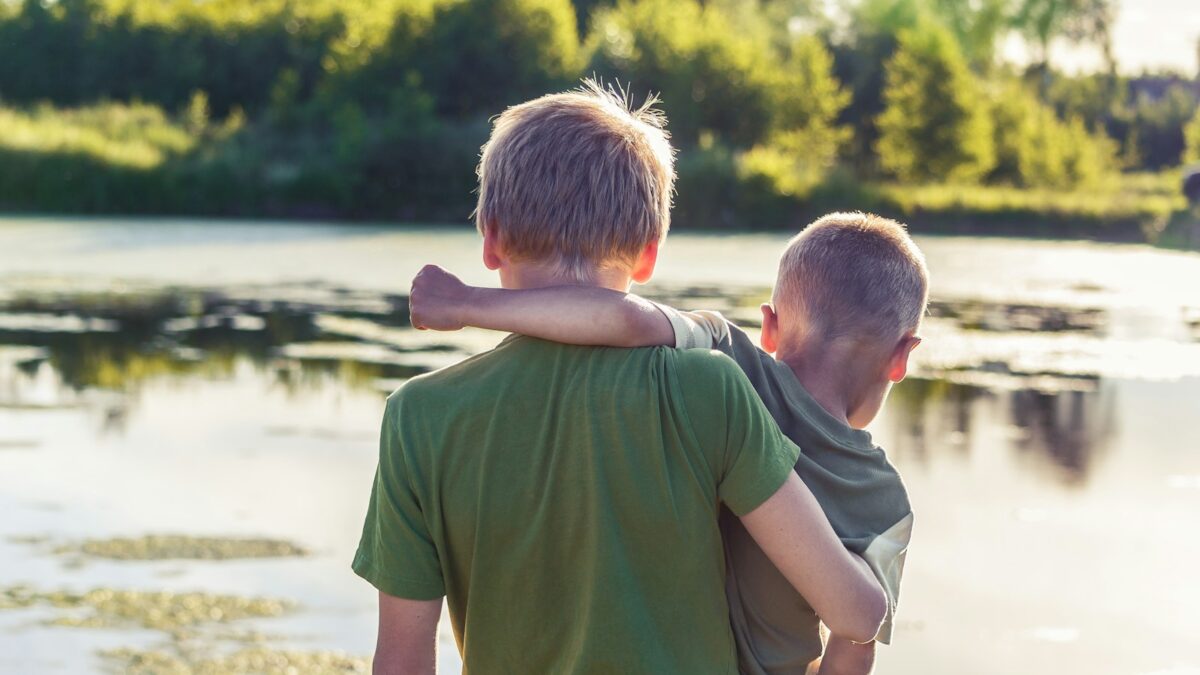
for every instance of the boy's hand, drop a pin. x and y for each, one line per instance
(437, 299)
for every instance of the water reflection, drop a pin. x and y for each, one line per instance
(115, 342)
(1071, 428)
(1064, 432)
(999, 316)
(98, 348)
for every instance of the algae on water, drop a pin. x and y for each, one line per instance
(183, 547)
(254, 660)
(188, 619)
(158, 610)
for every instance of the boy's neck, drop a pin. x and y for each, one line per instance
(532, 275)
(832, 376)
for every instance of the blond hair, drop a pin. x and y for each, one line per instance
(854, 274)
(579, 180)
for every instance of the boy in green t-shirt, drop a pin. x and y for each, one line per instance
(565, 500)
(848, 300)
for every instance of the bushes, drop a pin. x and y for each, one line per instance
(710, 79)
(472, 55)
(377, 108)
(108, 157)
(1192, 134)
(482, 55)
(78, 51)
(118, 158)
(1035, 149)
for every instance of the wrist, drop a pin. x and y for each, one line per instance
(469, 310)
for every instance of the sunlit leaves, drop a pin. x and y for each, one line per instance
(936, 124)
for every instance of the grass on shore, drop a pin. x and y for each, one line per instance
(1135, 206)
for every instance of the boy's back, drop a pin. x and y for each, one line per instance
(860, 491)
(565, 500)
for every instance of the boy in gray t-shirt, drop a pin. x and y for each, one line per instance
(847, 304)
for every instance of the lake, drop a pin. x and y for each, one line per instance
(189, 413)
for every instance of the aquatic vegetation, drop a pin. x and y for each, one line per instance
(54, 323)
(255, 660)
(183, 547)
(1065, 354)
(156, 610)
(994, 316)
(181, 615)
(22, 355)
(31, 539)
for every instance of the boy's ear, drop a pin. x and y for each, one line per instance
(770, 329)
(898, 361)
(643, 269)
(493, 256)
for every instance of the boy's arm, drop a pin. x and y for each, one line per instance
(582, 315)
(792, 530)
(845, 657)
(407, 643)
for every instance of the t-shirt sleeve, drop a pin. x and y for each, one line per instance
(752, 458)
(885, 556)
(696, 330)
(396, 553)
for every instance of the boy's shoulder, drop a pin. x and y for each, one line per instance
(708, 372)
(520, 358)
(462, 384)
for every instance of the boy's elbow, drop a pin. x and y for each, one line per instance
(863, 624)
(643, 326)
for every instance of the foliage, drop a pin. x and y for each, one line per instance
(1153, 126)
(1144, 115)
(936, 123)
(804, 143)
(1041, 21)
(1133, 203)
(481, 55)
(1192, 133)
(1036, 149)
(710, 79)
(76, 51)
(377, 108)
(137, 136)
(107, 157)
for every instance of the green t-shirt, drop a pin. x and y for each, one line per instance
(565, 500)
(860, 491)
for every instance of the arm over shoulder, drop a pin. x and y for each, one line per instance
(705, 329)
(696, 330)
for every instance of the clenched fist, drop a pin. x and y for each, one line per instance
(436, 299)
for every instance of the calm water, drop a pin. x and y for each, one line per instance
(226, 380)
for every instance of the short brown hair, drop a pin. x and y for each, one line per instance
(580, 179)
(854, 274)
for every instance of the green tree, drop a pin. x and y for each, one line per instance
(936, 124)
(978, 25)
(711, 79)
(1079, 21)
(1192, 133)
(482, 55)
(1156, 125)
(805, 136)
(1034, 148)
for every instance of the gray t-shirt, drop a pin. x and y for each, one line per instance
(858, 488)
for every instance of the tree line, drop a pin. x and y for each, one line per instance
(377, 108)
